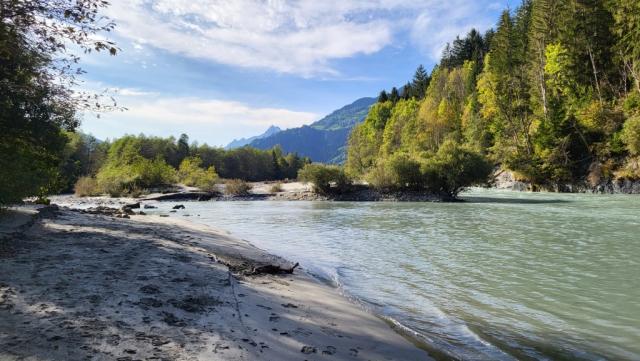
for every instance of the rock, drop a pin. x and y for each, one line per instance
(132, 206)
(178, 206)
(142, 213)
(149, 206)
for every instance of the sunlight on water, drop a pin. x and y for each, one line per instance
(504, 275)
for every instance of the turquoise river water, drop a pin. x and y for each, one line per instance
(502, 276)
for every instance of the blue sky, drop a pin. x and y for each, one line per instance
(219, 70)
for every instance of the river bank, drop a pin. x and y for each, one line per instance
(75, 285)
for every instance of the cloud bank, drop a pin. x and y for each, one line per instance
(206, 120)
(294, 37)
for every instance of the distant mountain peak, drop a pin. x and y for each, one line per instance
(237, 143)
(322, 141)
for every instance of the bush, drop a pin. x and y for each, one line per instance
(325, 178)
(190, 173)
(630, 169)
(380, 177)
(86, 186)
(140, 174)
(406, 172)
(631, 135)
(237, 187)
(454, 168)
(276, 188)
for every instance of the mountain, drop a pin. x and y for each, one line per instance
(237, 143)
(323, 141)
(347, 116)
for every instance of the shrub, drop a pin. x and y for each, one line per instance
(86, 186)
(190, 173)
(140, 174)
(325, 178)
(631, 135)
(380, 177)
(630, 169)
(406, 172)
(237, 187)
(454, 168)
(276, 188)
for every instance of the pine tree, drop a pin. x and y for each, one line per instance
(407, 91)
(383, 97)
(420, 82)
(394, 96)
(545, 18)
(587, 36)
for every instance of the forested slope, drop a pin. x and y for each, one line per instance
(552, 94)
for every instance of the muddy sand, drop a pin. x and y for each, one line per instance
(77, 286)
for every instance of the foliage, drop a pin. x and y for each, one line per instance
(86, 186)
(630, 169)
(191, 173)
(132, 176)
(326, 179)
(631, 135)
(134, 164)
(552, 94)
(454, 168)
(237, 187)
(37, 73)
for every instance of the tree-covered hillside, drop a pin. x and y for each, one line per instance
(323, 141)
(553, 94)
(347, 116)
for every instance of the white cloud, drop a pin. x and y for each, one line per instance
(301, 37)
(206, 120)
(131, 92)
(438, 25)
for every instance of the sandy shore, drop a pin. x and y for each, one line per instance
(77, 286)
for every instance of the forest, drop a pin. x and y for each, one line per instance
(552, 94)
(134, 164)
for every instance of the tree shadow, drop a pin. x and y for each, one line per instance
(90, 286)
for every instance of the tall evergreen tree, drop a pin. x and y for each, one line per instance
(394, 96)
(383, 97)
(407, 91)
(420, 82)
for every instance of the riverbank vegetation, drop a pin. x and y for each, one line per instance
(553, 94)
(37, 76)
(135, 164)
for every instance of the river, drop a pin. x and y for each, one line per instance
(503, 275)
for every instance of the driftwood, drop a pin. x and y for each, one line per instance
(272, 270)
(251, 269)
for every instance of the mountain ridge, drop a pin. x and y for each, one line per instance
(324, 140)
(237, 143)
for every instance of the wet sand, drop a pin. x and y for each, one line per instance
(77, 286)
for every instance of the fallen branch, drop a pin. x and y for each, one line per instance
(272, 270)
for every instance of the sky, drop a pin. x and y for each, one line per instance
(224, 69)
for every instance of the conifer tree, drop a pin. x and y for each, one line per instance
(394, 96)
(420, 82)
(383, 97)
